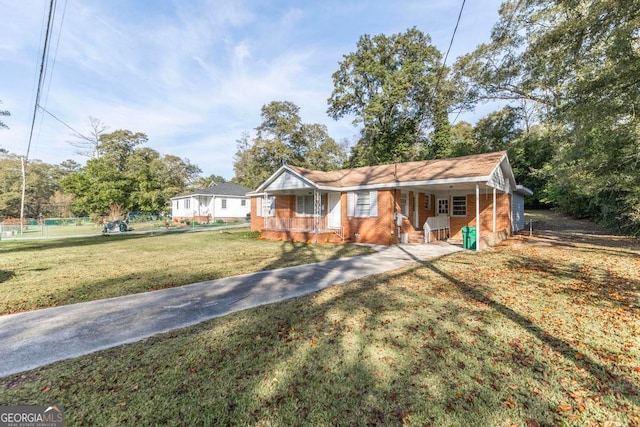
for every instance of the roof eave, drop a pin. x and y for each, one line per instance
(524, 190)
(276, 174)
(398, 184)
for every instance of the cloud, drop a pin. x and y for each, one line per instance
(194, 75)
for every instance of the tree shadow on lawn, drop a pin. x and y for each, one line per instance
(291, 253)
(69, 242)
(413, 345)
(604, 285)
(605, 376)
(6, 275)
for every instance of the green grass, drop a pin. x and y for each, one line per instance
(87, 229)
(532, 333)
(46, 273)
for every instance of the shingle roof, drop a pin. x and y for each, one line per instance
(222, 189)
(476, 165)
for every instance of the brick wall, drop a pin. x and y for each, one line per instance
(503, 215)
(382, 229)
(256, 221)
(375, 230)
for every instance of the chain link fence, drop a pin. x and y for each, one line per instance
(48, 227)
(45, 228)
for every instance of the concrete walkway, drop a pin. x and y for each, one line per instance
(36, 338)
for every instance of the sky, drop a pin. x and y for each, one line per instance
(193, 74)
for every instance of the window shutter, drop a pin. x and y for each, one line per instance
(373, 203)
(351, 203)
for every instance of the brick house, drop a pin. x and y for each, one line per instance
(396, 203)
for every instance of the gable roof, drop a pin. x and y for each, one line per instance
(222, 189)
(479, 165)
(473, 168)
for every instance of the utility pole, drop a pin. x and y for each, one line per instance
(24, 189)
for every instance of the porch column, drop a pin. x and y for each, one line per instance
(265, 209)
(317, 210)
(494, 209)
(477, 216)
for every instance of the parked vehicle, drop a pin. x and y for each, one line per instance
(115, 227)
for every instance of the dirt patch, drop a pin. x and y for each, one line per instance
(553, 228)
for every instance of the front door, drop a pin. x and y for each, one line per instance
(334, 210)
(442, 207)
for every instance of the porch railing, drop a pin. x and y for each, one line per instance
(436, 223)
(304, 223)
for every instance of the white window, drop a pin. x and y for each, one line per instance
(223, 203)
(304, 205)
(265, 208)
(443, 206)
(427, 201)
(362, 203)
(243, 202)
(404, 203)
(187, 203)
(459, 206)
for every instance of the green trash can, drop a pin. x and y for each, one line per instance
(469, 237)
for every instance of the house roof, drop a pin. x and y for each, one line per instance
(473, 168)
(478, 165)
(221, 189)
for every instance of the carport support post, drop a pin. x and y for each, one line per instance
(477, 216)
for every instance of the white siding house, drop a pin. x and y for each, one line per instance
(225, 201)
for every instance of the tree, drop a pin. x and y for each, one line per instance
(578, 62)
(41, 183)
(128, 177)
(462, 141)
(498, 130)
(117, 146)
(88, 145)
(397, 89)
(282, 138)
(207, 181)
(4, 113)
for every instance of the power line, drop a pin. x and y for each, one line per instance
(505, 29)
(35, 110)
(61, 121)
(42, 74)
(55, 53)
(455, 30)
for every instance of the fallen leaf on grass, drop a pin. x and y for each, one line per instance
(564, 408)
(508, 404)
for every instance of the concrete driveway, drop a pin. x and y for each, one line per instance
(36, 338)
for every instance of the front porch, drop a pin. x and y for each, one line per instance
(303, 229)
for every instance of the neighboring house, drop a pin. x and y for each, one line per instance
(390, 204)
(225, 201)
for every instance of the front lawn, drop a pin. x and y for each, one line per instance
(536, 332)
(46, 273)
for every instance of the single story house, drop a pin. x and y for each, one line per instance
(224, 201)
(388, 204)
